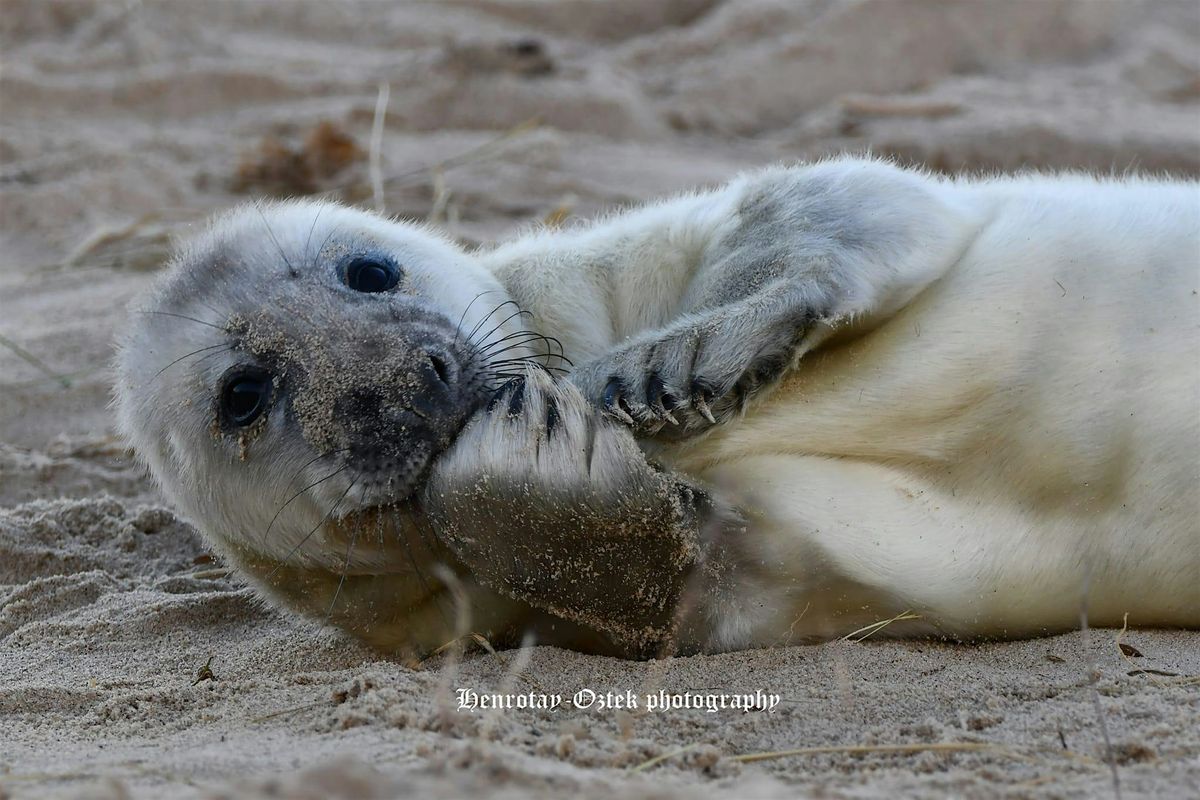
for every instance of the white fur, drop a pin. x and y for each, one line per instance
(1015, 431)
(996, 420)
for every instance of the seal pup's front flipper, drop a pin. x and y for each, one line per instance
(549, 502)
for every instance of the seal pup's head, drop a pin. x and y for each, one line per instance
(299, 367)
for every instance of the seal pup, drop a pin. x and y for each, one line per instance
(814, 398)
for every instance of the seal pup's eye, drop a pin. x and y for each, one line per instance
(371, 275)
(246, 395)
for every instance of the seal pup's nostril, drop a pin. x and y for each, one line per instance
(440, 368)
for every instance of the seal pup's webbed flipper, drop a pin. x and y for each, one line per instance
(843, 244)
(546, 500)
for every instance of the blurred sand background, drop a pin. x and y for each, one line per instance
(124, 124)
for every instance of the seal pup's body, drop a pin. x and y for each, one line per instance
(873, 391)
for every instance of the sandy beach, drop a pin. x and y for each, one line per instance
(133, 664)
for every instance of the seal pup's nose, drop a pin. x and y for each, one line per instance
(442, 369)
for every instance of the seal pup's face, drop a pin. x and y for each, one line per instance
(302, 364)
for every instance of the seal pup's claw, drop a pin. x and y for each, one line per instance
(613, 401)
(495, 399)
(702, 393)
(661, 401)
(516, 403)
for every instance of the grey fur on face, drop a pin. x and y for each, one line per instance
(385, 385)
(350, 391)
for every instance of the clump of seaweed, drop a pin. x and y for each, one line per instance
(279, 168)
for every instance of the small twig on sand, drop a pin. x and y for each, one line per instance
(558, 215)
(34, 361)
(1129, 652)
(205, 673)
(942, 747)
(645, 765)
(1126, 650)
(1163, 672)
(891, 107)
(206, 574)
(275, 714)
(474, 154)
(486, 645)
(441, 196)
(448, 674)
(105, 235)
(1093, 676)
(513, 670)
(876, 627)
(376, 153)
(1029, 784)
(379, 180)
(935, 747)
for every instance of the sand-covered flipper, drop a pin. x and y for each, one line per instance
(546, 500)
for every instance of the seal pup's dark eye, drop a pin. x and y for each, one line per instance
(246, 395)
(371, 275)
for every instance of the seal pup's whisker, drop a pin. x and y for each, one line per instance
(483, 346)
(488, 316)
(458, 327)
(525, 342)
(532, 361)
(401, 524)
(550, 342)
(520, 339)
(316, 527)
(294, 272)
(286, 503)
(213, 354)
(311, 228)
(182, 316)
(324, 242)
(561, 355)
(210, 307)
(345, 567)
(504, 321)
(223, 345)
(518, 335)
(476, 344)
(516, 364)
(309, 463)
(517, 345)
(492, 358)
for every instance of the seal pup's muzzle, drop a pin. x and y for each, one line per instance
(381, 387)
